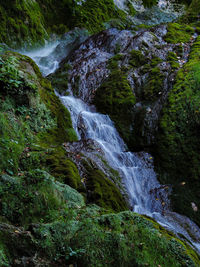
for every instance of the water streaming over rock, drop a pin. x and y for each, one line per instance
(146, 195)
(49, 57)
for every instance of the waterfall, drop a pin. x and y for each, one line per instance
(146, 195)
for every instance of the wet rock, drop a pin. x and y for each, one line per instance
(89, 156)
(150, 80)
(89, 68)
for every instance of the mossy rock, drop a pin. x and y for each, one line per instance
(43, 17)
(63, 169)
(59, 79)
(92, 14)
(177, 147)
(137, 59)
(64, 131)
(17, 81)
(115, 98)
(178, 33)
(173, 60)
(101, 190)
(15, 30)
(30, 110)
(152, 87)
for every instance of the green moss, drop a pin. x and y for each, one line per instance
(177, 149)
(102, 191)
(178, 33)
(12, 142)
(29, 199)
(131, 9)
(23, 114)
(13, 82)
(3, 257)
(155, 61)
(91, 14)
(63, 169)
(42, 17)
(14, 30)
(173, 60)
(137, 59)
(153, 85)
(64, 131)
(115, 98)
(59, 79)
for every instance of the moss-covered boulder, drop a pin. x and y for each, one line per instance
(29, 110)
(88, 238)
(115, 97)
(177, 147)
(64, 169)
(101, 190)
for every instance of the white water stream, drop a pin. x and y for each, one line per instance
(146, 195)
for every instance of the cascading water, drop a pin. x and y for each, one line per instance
(146, 195)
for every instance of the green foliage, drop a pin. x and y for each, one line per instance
(12, 141)
(12, 82)
(177, 152)
(22, 114)
(3, 257)
(124, 239)
(34, 197)
(177, 33)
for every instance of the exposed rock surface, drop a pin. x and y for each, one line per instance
(149, 74)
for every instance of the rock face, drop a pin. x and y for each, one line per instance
(143, 59)
(136, 78)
